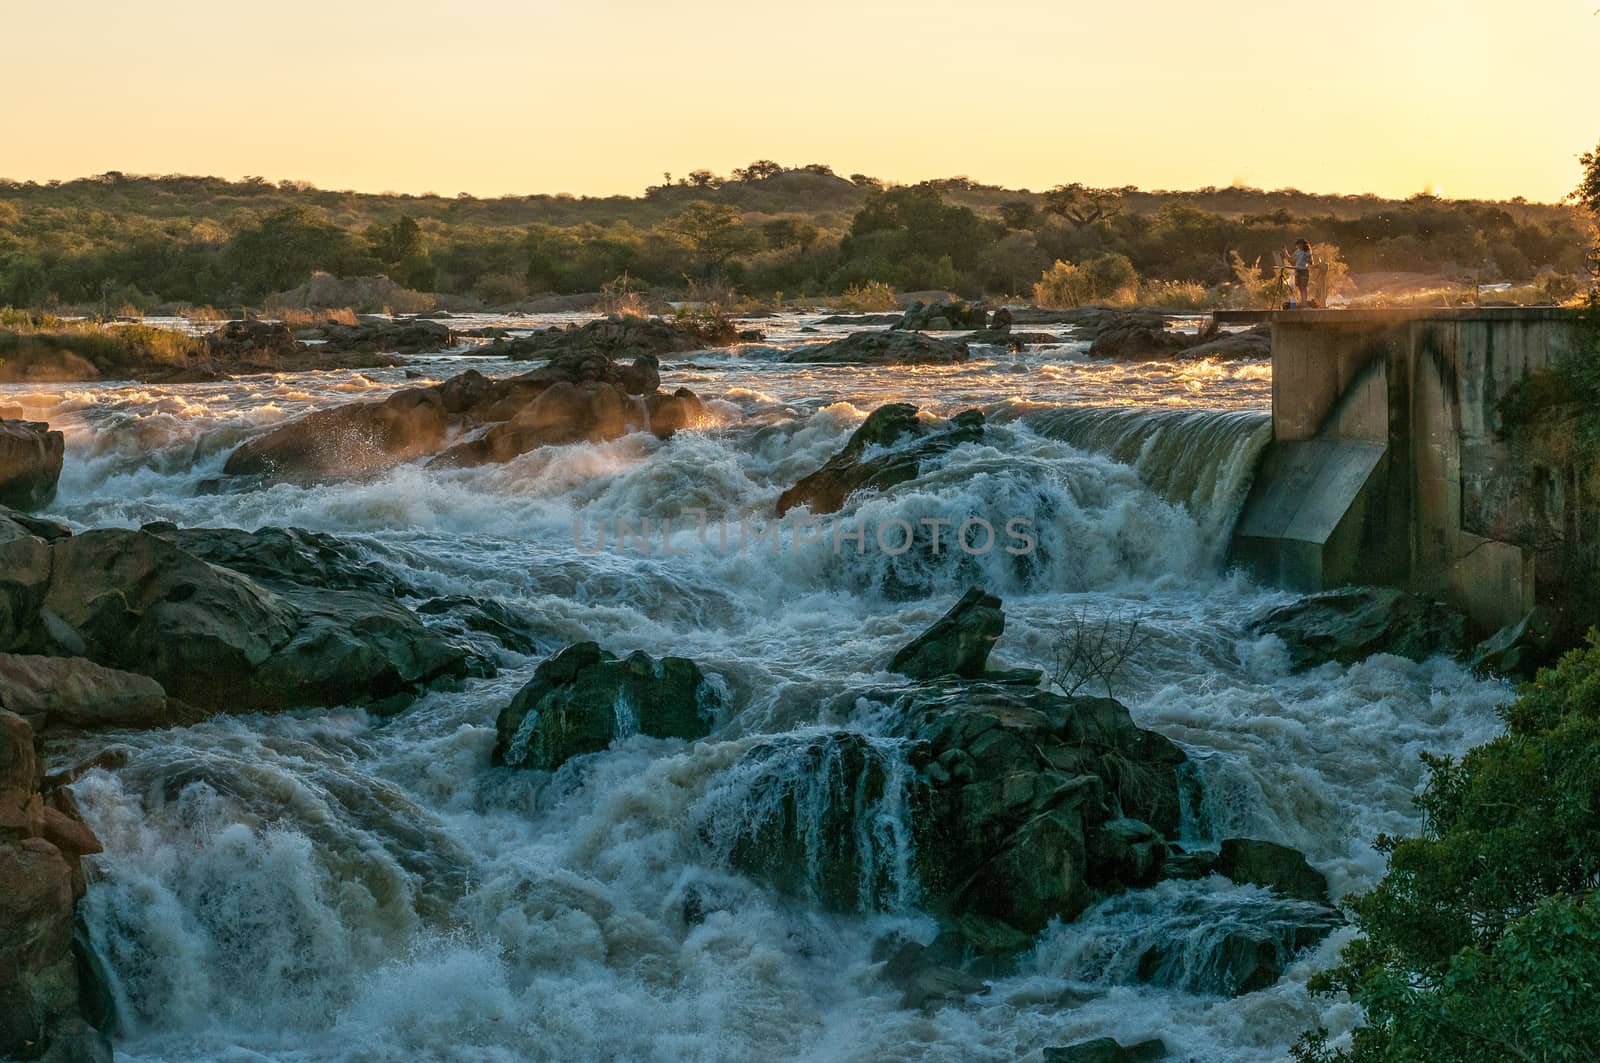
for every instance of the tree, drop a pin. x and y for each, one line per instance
(714, 232)
(1017, 213)
(790, 231)
(1081, 205)
(284, 248)
(1587, 195)
(760, 170)
(704, 179)
(1482, 941)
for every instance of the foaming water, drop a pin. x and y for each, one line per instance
(323, 885)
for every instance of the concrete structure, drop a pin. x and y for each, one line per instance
(1387, 465)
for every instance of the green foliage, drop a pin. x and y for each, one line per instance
(873, 295)
(1482, 942)
(1106, 278)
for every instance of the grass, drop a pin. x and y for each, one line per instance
(297, 318)
(51, 342)
(871, 296)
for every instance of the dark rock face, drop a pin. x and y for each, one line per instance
(1106, 1050)
(958, 643)
(1138, 335)
(247, 340)
(622, 337)
(583, 699)
(1353, 623)
(576, 397)
(884, 348)
(374, 336)
(45, 996)
(1521, 649)
(30, 463)
(947, 316)
(1261, 863)
(212, 638)
(897, 426)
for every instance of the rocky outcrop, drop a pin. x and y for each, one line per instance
(1143, 335)
(910, 440)
(1249, 861)
(583, 699)
(49, 1002)
(380, 335)
(76, 693)
(1107, 1050)
(958, 643)
(30, 463)
(251, 340)
(947, 316)
(621, 336)
(1521, 649)
(1353, 623)
(212, 638)
(884, 348)
(575, 397)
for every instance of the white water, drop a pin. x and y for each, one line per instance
(325, 886)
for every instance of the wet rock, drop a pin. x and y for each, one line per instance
(1108, 1050)
(1237, 960)
(1138, 335)
(577, 396)
(958, 643)
(1518, 650)
(76, 693)
(909, 440)
(283, 558)
(1126, 853)
(211, 637)
(30, 463)
(377, 334)
(928, 977)
(799, 812)
(1249, 861)
(945, 315)
(246, 341)
(43, 991)
(884, 348)
(14, 525)
(1253, 342)
(583, 699)
(1353, 623)
(621, 336)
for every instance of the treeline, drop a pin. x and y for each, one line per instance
(804, 231)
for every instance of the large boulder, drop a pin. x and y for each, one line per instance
(76, 693)
(47, 992)
(1353, 623)
(211, 637)
(623, 336)
(578, 395)
(893, 347)
(899, 440)
(1107, 1050)
(958, 643)
(583, 699)
(30, 463)
(251, 340)
(375, 335)
(1253, 862)
(1138, 335)
(1521, 649)
(944, 316)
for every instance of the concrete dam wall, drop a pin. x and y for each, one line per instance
(1387, 464)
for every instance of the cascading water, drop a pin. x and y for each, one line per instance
(324, 885)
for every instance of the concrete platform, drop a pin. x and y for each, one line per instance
(1394, 315)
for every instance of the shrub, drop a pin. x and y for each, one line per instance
(869, 296)
(1482, 941)
(1107, 278)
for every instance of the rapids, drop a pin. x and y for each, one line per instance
(327, 886)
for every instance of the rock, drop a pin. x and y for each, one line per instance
(884, 348)
(863, 320)
(14, 525)
(958, 643)
(944, 316)
(30, 463)
(211, 637)
(1143, 334)
(286, 558)
(1107, 1050)
(44, 991)
(244, 341)
(1127, 852)
(1253, 342)
(583, 699)
(371, 335)
(77, 693)
(1518, 650)
(1353, 623)
(896, 426)
(926, 979)
(1224, 955)
(577, 396)
(1261, 863)
(622, 336)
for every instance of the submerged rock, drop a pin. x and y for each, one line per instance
(211, 637)
(958, 643)
(884, 348)
(1107, 1050)
(583, 699)
(906, 439)
(1353, 623)
(577, 396)
(30, 463)
(46, 990)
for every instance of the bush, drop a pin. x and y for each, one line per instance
(870, 296)
(1107, 278)
(1482, 941)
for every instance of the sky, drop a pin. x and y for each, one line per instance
(1467, 98)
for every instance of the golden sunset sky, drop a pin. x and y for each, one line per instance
(1473, 98)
